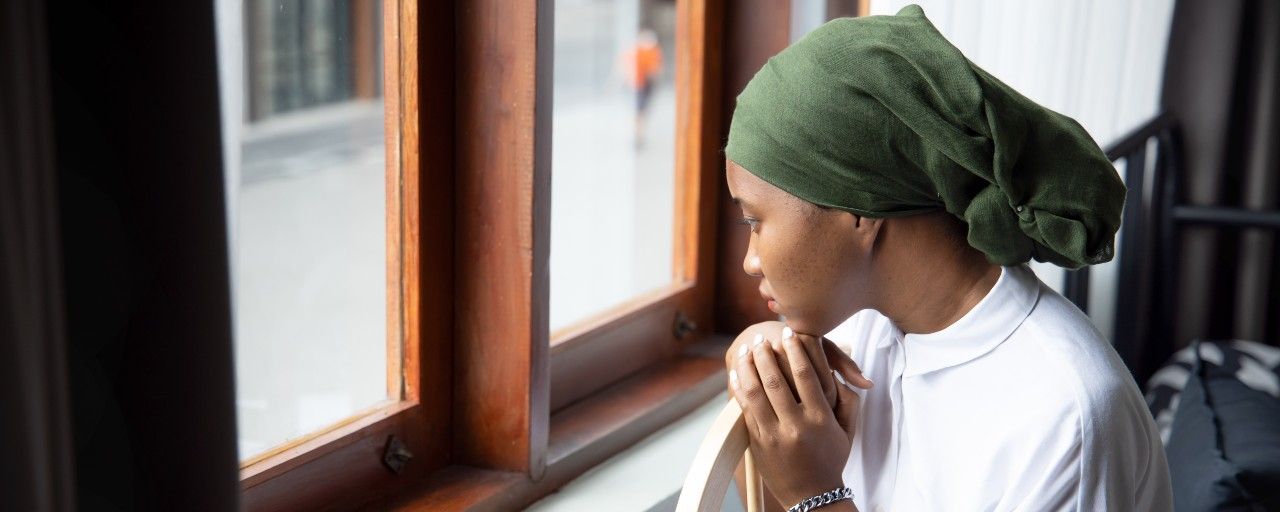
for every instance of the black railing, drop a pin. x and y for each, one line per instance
(1149, 241)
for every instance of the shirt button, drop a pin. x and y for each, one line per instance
(1018, 209)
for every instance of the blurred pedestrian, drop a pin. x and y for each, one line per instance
(643, 66)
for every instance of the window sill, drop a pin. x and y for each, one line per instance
(584, 434)
(647, 476)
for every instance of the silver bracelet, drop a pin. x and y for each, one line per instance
(826, 498)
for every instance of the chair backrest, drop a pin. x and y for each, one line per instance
(713, 466)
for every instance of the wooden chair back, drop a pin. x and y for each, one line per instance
(713, 466)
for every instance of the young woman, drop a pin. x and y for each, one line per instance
(894, 193)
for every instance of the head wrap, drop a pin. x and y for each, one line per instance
(882, 117)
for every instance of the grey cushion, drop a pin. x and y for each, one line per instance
(1224, 443)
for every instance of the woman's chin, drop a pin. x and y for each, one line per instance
(803, 324)
(811, 323)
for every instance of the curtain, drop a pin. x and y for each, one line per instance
(1221, 88)
(35, 424)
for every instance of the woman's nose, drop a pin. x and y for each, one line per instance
(751, 265)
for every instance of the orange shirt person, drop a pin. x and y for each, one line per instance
(643, 66)
(644, 62)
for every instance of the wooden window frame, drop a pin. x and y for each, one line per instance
(494, 414)
(604, 348)
(529, 416)
(341, 467)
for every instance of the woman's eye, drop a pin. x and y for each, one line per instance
(749, 222)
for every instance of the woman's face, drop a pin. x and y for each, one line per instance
(813, 262)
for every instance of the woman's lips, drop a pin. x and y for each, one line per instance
(770, 302)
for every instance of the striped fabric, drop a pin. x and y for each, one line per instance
(1253, 364)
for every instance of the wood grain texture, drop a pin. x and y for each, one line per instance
(502, 202)
(398, 216)
(338, 469)
(429, 327)
(583, 435)
(638, 337)
(754, 31)
(638, 405)
(341, 467)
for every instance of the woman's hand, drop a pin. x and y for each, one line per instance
(823, 354)
(799, 442)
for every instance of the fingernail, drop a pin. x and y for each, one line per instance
(787, 333)
(757, 340)
(742, 350)
(733, 378)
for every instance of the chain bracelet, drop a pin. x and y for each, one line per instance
(826, 498)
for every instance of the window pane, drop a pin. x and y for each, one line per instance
(613, 154)
(306, 189)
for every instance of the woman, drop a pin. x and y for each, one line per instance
(894, 193)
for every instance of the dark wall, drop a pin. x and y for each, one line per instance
(139, 169)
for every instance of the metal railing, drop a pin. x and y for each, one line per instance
(1152, 224)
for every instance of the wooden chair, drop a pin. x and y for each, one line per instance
(713, 466)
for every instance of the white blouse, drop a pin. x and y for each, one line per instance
(1019, 405)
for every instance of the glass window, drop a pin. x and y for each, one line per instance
(613, 155)
(301, 86)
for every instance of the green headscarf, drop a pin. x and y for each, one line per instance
(882, 117)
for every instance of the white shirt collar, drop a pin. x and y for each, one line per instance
(979, 331)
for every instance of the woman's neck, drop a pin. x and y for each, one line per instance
(930, 289)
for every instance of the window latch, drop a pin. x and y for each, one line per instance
(683, 325)
(396, 455)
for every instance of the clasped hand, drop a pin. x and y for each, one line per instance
(800, 413)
